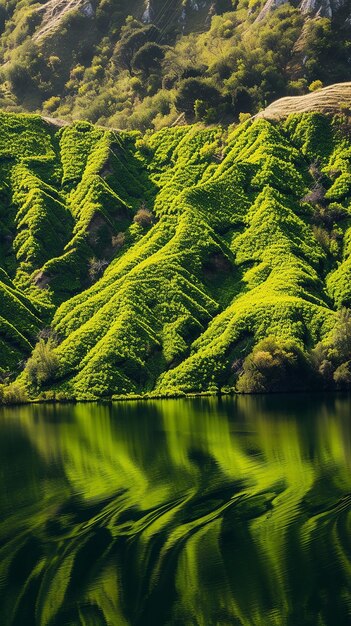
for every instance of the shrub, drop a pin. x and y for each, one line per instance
(193, 89)
(96, 268)
(43, 365)
(297, 87)
(315, 170)
(118, 241)
(341, 336)
(14, 393)
(143, 217)
(274, 365)
(243, 117)
(149, 56)
(316, 195)
(345, 108)
(342, 375)
(49, 333)
(315, 85)
(331, 358)
(322, 236)
(52, 104)
(242, 100)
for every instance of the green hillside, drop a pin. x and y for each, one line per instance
(144, 63)
(189, 260)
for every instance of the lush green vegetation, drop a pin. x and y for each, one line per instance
(211, 61)
(195, 259)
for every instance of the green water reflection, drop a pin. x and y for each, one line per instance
(180, 512)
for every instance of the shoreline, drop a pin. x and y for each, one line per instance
(175, 396)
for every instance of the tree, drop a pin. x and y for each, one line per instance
(133, 38)
(192, 89)
(332, 357)
(274, 365)
(243, 101)
(148, 57)
(341, 336)
(43, 365)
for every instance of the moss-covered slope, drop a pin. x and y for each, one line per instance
(161, 262)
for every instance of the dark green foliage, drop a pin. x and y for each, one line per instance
(274, 366)
(332, 357)
(193, 89)
(148, 57)
(123, 64)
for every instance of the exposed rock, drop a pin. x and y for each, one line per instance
(322, 8)
(147, 15)
(53, 11)
(319, 8)
(270, 6)
(54, 121)
(41, 280)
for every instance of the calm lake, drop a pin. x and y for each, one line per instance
(206, 512)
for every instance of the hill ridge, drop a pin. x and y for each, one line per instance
(198, 243)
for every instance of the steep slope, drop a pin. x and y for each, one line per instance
(142, 64)
(230, 261)
(20, 320)
(209, 240)
(64, 195)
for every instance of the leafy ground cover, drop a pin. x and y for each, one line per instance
(194, 259)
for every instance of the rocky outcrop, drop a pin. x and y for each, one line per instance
(269, 6)
(320, 8)
(323, 8)
(52, 13)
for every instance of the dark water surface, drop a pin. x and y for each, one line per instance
(181, 512)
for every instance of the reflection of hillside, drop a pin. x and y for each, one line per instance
(181, 512)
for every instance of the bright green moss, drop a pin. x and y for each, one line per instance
(231, 255)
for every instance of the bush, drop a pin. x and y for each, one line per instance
(341, 336)
(43, 365)
(332, 358)
(14, 393)
(316, 195)
(193, 89)
(274, 365)
(96, 268)
(244, 117)
(342, 376)
(345, 108)
(52, 104)
(118, 241)
(148, 57)
(143, 217)
(315, 85)
(49, 333)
